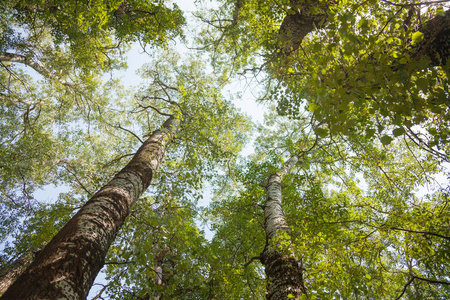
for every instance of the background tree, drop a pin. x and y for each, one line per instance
(373, 67)
(355, 218)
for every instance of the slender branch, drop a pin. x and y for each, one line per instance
(415, 4)
(392, 183)
(416, 159)
(410, 230)
(423, 145)
(168, 86)
(389, 21)
(252, 260)
(117, 159)
(10, 57)
(119, 262)
(405, 287)
(422, 232)
(11, 74)
(129, 131)
(157, 110)
(65, 166)
(423, 279)
(5, 97)
(99, 294)
(432, 280)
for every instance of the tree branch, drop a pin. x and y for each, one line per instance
(414, 4)
(405, 287)
(119, 262)
(412, 231)
(131, 132)
(423, 279)
(422, 232)
(17, 58)
(252, 260)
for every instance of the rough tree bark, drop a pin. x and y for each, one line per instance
(283, 271)
(10, 271)
(298, 23)
(67, 266)
(436, 42)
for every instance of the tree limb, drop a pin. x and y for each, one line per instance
(17, 58)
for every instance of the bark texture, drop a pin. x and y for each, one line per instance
(436, 42)
(283, 272)
(67, 266)
(273, 210)
(10, 271)
(298, 23)
(284, 275)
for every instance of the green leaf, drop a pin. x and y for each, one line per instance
(440, 11)
(370, 132)
(386, 140)
(321, 132)
(416, 37)
(313, 107)
(398, 131)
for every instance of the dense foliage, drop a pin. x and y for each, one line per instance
(357, 91)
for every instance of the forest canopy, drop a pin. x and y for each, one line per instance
(168, 190)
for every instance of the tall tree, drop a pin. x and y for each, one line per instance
(54, 101)
(354, 64)
(352, 219)
(173, 89)
(68, 265)
(283, 270)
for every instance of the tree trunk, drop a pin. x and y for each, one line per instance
(67, 266)
(436, 40)
(10, 271)
(283, 272)
(297, 24)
